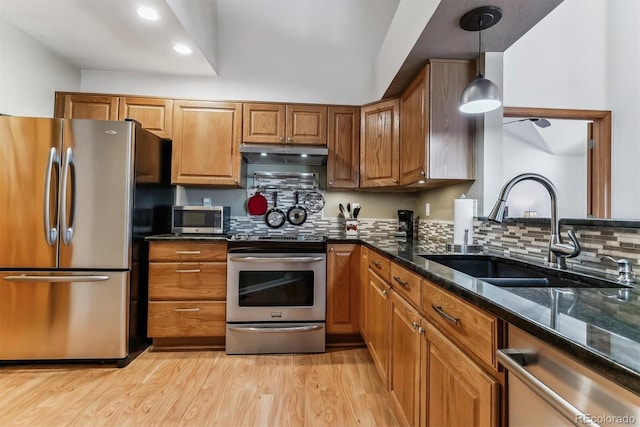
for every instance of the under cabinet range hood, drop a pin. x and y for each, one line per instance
(284, 154)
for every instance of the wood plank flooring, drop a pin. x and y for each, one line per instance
(339, 388)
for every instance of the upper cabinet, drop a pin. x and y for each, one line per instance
(288, 124)
(343, 162)
(206, 137)
(379, 149)
(86, 106)
(154, 114)
(436, 139)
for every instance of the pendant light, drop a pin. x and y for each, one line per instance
(481, 95)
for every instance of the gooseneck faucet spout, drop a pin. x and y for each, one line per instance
(558, 250)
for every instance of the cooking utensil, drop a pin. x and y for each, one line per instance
(296, 214)
(274, 217)
(257, 204)
(356, 211)
(341, 208)
(349, 209)
(314, 202)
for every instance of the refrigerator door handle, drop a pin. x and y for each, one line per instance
(51, 278)
(68, 219)
(50, 233)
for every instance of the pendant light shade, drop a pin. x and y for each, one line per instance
(481, 95)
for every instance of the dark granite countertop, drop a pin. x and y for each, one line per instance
(594, 326)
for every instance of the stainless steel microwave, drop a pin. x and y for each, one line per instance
(200, 219)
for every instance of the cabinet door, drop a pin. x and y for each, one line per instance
(413, 129)
(343, 162)
(459, 392)
(154, 114)
(82, 106)
(407, 335)
(342, 289)
(379, 151)
(263, 123)
(364, 299)
(206, 137)
(306, 124)
(378, 327)
(450, 132)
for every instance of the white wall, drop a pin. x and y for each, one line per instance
(585, 55)
(30, 74)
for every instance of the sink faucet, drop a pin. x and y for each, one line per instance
(558, 250)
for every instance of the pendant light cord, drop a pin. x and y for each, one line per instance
(480, 47)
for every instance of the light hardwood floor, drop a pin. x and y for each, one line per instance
(202, 388)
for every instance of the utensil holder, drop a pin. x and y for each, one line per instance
(351, 227)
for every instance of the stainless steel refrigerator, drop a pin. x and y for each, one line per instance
(72, 271)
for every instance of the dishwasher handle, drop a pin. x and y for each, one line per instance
(507, 358)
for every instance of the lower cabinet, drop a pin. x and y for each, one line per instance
(432, 350)
(459, 392)
(378, 323)
(187, 293)
(343, 267)
(405, 346)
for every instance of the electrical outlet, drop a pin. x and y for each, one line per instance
(206, 201)
(427, 209)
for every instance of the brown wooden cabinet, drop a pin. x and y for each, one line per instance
(407, 339)
(154, 114)
(378, 322)
(86, 106)
(187, 292)
(436, 139)
(379, 149)
(284, 123)
(459, 392)
(343, 293)
(206, 137)
(343, 162)
(364, 281)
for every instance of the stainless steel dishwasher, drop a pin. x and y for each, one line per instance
(547, 388)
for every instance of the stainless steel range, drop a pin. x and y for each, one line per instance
(276, 294)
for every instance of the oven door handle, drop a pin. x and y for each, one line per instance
(275, 329)
(305, 259)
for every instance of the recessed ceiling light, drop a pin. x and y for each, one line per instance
(263, 154)
(303, 155)
(182, 48)
(148, 13)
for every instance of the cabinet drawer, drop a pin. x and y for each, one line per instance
(406, 283)
(380, 265)
(476, 330)
(186, 319)
(187, 281)
(186, 251)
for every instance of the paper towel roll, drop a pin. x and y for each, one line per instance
(463, 213)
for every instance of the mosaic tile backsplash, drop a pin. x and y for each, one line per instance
(528, 242)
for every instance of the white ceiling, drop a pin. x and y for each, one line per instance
(243, 37)
(563, 137)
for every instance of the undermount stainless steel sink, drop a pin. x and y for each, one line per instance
(511, 274)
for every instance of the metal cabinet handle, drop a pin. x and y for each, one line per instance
(565, 408)
(330, 182)
(377, 264)
(188, 252)
(195, 270)
(272, 260)
(186, 309)
(397, 279)
(420, 330)
(331, 249)
(414, 325)
(384, 292)
(444, 315)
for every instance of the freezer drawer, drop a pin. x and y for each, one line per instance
(273, 338)
(52, 315)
